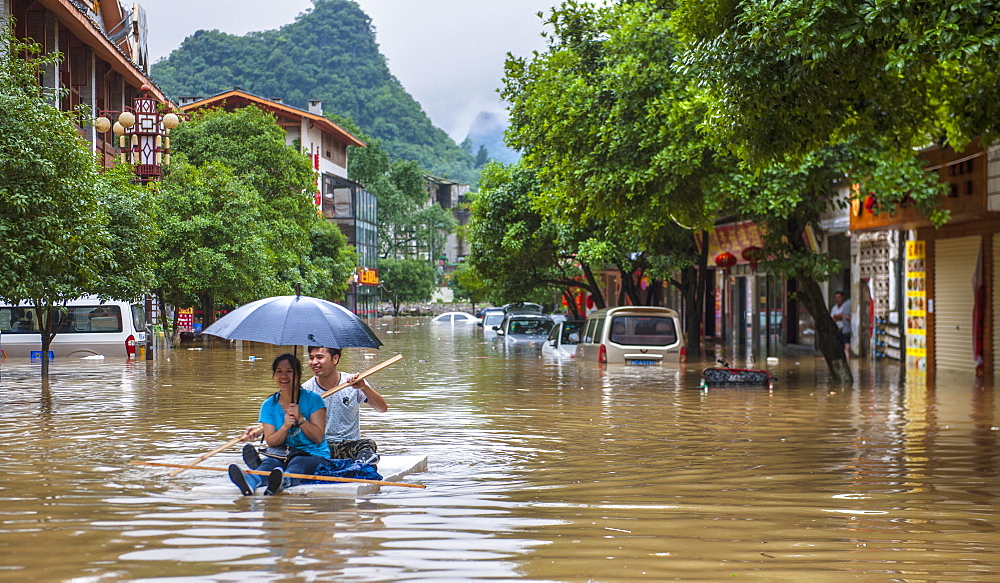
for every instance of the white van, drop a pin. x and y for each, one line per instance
(632, 335)
(87, 326)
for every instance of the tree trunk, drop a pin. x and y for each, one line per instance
(46, 323)
(593, 287)
(694, 287)
(207, 310)
(629, 286)
(693, 312)
(826, 331)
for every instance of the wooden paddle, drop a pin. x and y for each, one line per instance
(236, 440)
(360, 376)
(287, 475)
(204, 457)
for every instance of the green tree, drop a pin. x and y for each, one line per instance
(612, 132)
(518, 249)
(482, 156)
(468, 285)
(55, 207)
(215, 245)
(299, 246)
(406, 280)
(611, 119)
(788, 77)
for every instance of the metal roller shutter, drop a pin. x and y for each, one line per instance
(996, 304)
(954, 263)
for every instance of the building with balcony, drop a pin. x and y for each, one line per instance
(105, 63)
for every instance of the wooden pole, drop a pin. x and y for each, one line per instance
(204, 457)
(361, 376)
(287, 475)
(236, 440)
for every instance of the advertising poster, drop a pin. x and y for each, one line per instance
(185, 319)
(916, 305)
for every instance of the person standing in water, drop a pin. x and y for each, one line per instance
(841, 314)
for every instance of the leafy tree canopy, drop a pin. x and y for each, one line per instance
(518, 249)
(252, 146)
(790, 77)
(215, 238)
(406, 280)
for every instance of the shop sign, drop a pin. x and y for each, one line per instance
(185, 319)
(367, 276)
(916, 305)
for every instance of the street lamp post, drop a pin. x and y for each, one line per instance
(143, 138)
(143, 134)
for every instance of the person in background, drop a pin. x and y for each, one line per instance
(841, 314)
(293, 422)
(343, 408)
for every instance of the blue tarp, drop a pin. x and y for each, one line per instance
(346, 468)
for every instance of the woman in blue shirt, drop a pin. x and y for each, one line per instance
(294, 423)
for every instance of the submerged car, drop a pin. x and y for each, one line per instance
(632, 335)
(524, 327)
(563, 339)
(492, 317)
(456, 318)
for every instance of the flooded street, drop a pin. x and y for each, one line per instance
(540, 469)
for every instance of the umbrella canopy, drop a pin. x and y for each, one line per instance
(295, 320)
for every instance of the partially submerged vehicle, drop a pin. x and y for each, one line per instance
(563, 338)
(632, 335)
(524, 327)
(88, 326)
(456, 318)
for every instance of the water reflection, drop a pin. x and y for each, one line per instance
(540, 469)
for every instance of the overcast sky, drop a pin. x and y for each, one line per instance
(448, 54)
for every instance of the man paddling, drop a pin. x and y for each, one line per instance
(343, 419)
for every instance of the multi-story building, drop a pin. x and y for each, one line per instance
(448, 193)
(340, 200)
(105, 64)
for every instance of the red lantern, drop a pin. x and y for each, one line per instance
(752, 254)
(725, 260)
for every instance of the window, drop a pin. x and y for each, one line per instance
(92, 318)
(643, 331)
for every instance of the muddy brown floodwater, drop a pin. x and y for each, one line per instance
(540, 469)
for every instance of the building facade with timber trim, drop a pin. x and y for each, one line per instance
(941, 283)
(105, 63)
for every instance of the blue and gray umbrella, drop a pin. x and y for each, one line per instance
(295, 320)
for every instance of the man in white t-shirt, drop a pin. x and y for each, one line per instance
(841, 314)
(343, 408)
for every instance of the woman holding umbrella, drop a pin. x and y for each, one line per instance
(294, 423)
